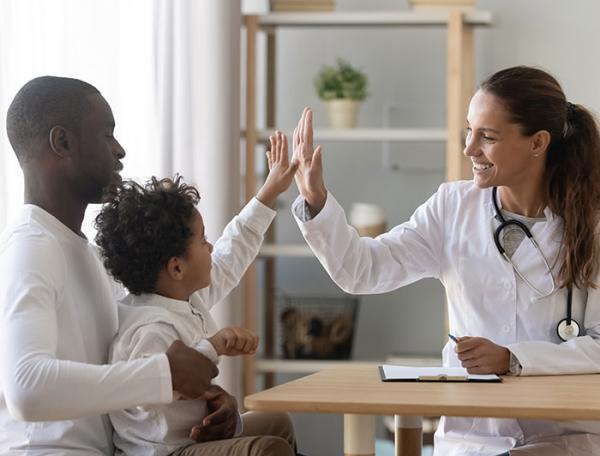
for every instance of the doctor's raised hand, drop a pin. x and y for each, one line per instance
(309, 176)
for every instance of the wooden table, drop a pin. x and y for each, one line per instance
(359, 394)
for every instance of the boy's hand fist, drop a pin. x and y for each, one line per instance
(234, 340)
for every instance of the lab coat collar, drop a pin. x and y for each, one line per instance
(490, 205)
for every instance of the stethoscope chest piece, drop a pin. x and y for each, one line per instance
(566, 331)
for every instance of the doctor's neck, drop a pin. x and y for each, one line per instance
(529, 202)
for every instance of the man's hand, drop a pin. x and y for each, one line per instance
(281, 172)
(234, 340)
(309, 177)
(482, 356)
(221, 421)
(191, 372)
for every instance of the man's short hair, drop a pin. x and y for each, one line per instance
(40, 105)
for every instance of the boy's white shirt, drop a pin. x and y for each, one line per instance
(149, 323)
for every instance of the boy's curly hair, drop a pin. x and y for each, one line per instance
(142, 227)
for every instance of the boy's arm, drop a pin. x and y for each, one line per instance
(243, 236)
(235, 250)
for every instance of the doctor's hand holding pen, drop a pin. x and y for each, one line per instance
(309, 176)
(482, 356)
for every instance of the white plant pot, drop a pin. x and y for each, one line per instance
(343, 113)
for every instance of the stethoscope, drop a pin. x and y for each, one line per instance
(567, 328)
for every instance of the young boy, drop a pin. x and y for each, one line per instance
(152, 240)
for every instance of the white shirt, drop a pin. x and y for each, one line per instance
(450, 237)
(149, 323)
(58, 317)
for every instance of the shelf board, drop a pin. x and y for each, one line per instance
(368, 134)
(285, 250)
(309, 366)
(367, 18)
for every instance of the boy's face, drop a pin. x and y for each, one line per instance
(198, 256)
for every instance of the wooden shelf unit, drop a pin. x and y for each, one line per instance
(367, 134)
(459, 90)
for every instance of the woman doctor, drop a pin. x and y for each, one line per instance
(516, 249)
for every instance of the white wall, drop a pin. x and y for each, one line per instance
(407, 69)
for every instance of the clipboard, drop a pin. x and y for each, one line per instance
(395, 373)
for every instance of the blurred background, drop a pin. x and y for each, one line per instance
(174, 73)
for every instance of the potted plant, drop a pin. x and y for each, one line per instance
(342, 87)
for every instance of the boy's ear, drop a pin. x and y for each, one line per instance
(175, 268)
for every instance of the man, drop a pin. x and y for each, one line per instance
(58, 305)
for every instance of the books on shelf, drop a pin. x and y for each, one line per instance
(463, 5)
(302, 5)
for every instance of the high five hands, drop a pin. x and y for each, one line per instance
(306, 166)
(309, 176)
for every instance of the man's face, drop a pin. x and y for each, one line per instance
(98, 161)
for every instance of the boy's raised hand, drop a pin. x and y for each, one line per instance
(281, 172)
(309, 177)
(234, 340)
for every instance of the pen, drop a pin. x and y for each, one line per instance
(454, 338)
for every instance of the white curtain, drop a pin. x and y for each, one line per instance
(170, 71)
(104, 43)
(198, 85)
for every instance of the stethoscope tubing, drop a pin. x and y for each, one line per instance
(498, 231)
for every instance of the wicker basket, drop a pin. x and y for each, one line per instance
(316, 327)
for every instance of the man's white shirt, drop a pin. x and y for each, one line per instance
(58, 317)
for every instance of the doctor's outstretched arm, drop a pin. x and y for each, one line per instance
(360, 265)
(309, 176)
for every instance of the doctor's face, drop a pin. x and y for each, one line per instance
(501, 154)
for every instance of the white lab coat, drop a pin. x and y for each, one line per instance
(450, 237)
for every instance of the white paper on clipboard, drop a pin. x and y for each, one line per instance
(394, 373)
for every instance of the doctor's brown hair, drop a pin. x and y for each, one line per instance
(535, 101)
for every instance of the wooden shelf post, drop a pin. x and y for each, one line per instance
(460, 90)
(249, 295)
